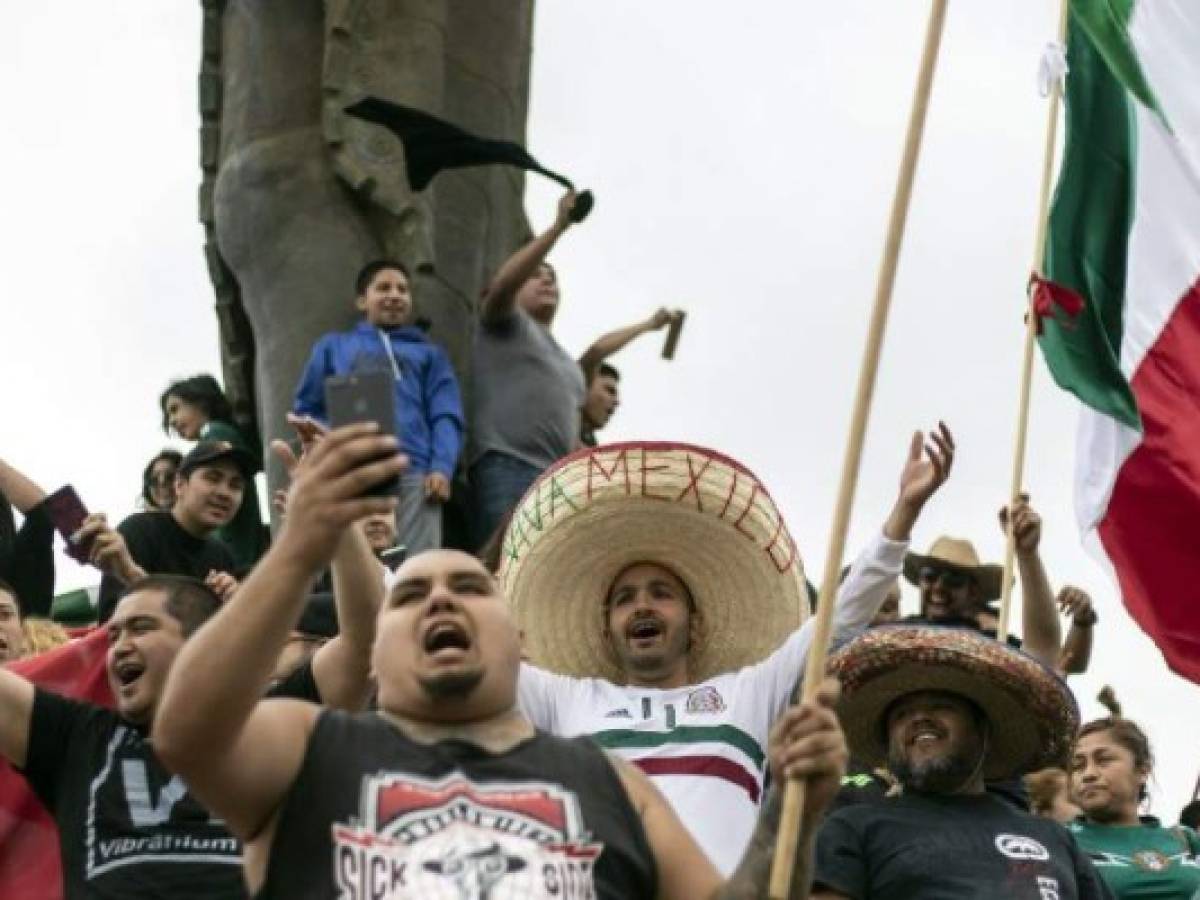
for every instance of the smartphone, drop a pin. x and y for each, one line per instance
(364, 397)
(393, 556)
(66, 513)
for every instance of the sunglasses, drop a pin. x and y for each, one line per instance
(161, 479)
(951, 578)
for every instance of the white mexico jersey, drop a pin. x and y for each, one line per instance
(705, 745)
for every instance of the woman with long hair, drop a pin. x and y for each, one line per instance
(197, 409)
(158, 480)
(1135, 854)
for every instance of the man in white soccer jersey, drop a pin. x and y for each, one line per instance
(661, 598)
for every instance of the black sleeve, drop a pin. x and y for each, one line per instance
(33, 563)
(53, 724)
(839, 863)
(301, 684)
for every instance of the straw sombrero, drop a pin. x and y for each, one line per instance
(702, 515)
(1033, 714)
(954, 553)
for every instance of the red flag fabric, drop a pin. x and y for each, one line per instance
(29, 859)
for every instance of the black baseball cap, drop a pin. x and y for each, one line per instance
(207, 452)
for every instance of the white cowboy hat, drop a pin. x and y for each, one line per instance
(702, 515)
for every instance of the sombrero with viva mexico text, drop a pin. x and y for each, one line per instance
(1032, 712)
(702, 515)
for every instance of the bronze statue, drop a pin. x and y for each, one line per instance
(297, 195)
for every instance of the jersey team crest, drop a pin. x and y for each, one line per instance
(705, 700)
(420, 838)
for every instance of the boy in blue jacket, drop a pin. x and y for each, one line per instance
(429, 416)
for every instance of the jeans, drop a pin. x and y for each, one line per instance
(498, 482)
(418, 522)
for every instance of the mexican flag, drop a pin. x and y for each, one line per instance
(1125, 237)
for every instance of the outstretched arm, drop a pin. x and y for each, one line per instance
(1040, 629)
(500, 296)
(615, 341)
(238, 756)
(342, 667)
(873, 573)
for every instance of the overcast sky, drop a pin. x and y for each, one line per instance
(743, 165)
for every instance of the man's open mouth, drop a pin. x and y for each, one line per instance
(128, 671)
(446, 636)
(645, 629)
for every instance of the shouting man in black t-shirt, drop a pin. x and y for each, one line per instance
(127, 828)
(447, 790)
(944, 708)
(209, 487)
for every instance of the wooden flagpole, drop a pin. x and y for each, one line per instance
(1031, 330)
(793, 799)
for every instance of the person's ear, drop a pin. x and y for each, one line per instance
(695, 628)
(360, 303)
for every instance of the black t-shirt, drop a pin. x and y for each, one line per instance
(127, 829)
(922, 847)
(374, 814)
(161, 546)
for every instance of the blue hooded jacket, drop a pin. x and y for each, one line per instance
(429, 415)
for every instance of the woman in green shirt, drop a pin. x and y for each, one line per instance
(1135, 855)
(197, 409)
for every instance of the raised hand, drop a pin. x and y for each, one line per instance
(925, 470)
(661, 318)
(1027, 525)
(1077, 604)
(562, 219)
(109, 552)
(328, 490)
(928, 465)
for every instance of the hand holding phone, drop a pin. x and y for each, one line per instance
(67, 513)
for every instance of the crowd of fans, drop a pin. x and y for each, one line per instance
(592, 697)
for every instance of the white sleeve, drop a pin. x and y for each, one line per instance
(538, 693)
(861, 593)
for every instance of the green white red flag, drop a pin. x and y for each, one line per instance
(1125, 236)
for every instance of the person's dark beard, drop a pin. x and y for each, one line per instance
(452, 685)
(945, 775)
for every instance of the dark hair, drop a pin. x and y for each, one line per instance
(1123, 731)
(368, 272)
(175, 458)
(188, 600)
(203, 391)
(1190, 815)
(609, 371)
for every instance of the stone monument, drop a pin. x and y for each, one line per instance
(297, 196)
